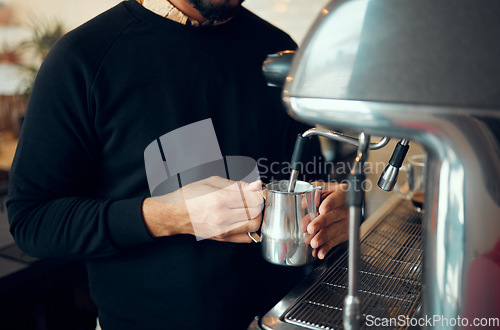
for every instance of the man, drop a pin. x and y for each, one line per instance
(79, 187)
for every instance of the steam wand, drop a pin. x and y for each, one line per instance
(297, 158)
(355, 201)
(301, 144)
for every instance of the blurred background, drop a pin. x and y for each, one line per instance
(53, 294)
(28, 28)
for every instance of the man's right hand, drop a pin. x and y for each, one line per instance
(214, 208)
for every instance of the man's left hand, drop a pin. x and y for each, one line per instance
(331, 226)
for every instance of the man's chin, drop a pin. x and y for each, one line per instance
(217, 10)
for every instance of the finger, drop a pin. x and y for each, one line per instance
(254, 186)
(251, 211)
(315, 253)
(328, 233)
(303, 202)
(247, 226)
(230, 198)
(222, 232)
(335, 198)
(248, 194)
(236, 215)
(325, 248)
(324, 220)
(318, 197)
(254, 212)
(304, 222)
(237, 238)
(308, 239)
(241, 185)
(328, 189)
(252, 198)
(336, 232)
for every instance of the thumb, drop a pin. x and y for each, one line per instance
(250, 193)
(256, 185)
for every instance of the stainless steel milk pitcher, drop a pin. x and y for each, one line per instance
(285, 219)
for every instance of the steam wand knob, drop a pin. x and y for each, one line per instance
(389, 176)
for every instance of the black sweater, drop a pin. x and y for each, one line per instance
(104, 93)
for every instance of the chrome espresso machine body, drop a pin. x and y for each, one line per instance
(427, 71)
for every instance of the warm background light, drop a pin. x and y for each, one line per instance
(294, 16)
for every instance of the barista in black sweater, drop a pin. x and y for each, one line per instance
(78, 184)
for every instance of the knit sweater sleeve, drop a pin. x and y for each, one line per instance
(52, 207)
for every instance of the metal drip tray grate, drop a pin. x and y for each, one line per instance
(390, 275)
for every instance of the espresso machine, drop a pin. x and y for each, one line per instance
(425, 71)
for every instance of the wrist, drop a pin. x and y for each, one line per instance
(165, 219)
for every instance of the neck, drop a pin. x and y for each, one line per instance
(188, 10)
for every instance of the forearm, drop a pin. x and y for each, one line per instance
(213, 208)
(165, 218)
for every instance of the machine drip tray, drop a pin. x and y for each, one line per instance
(390, 277)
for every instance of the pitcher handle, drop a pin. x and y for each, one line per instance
(254, 235)
(312, 204)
